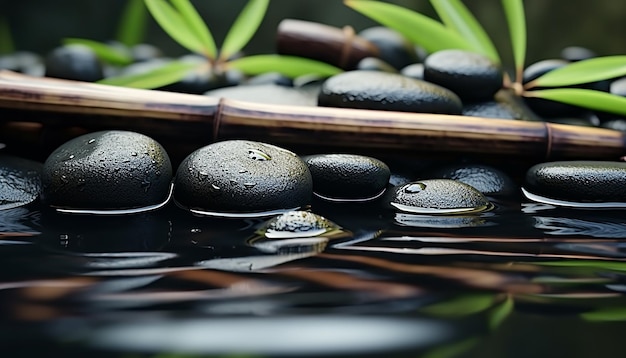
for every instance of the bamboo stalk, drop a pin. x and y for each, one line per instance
(193, 117)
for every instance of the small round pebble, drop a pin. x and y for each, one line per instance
(295, 224)
(347, 176)
(239, 178)
(486, 179)
(107, 171)
(73, 62)
(472, 76)
(387, 91)
(578, 183)
(438, 196)
(20, 181)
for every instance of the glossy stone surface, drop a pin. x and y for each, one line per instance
(584, 182)
(437, 196)
(20, 181)
(473, 77)
(73, 62)
(393, 48)
(296, 224)
(387, 91)
(347, 176)
(486, 179)
(242, 178)
(107, 170)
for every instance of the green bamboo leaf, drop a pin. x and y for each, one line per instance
(169, 73)
(290, 66)
(243, 28)
(499, 313)
(606, 314)
(104, 52)
(590, 99)
(417, 28)
(6, 40)
(132, 27)
(516, 19)
(593, 264)
(594, 69)
(457, 16)
(197, 26)
(460, 306)
(172, 22)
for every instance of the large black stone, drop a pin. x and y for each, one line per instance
(107, 170)
(242, 178)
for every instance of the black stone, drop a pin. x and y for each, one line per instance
(387, 91)
(347, 176)
(238, 178)
(393, 48)
(20, 181)
(415, 70)
(107, 170)
(74, 62)
(578, 181)
(486, 179)
(472, 76)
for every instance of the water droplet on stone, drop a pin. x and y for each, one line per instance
(134, 154)
(249, 185)
(414, 188)
(71, 156)
(91, 141)
(215, 187)
(258, 155)
(196, 231)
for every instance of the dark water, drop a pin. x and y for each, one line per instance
(523, 280)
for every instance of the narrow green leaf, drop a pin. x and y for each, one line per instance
(590, 99)
(174, 25)
(106, 53)
(460, 306)
(594, 69)
(606, 314)
(6, 40)
(516, 19)
(197, 26)
(132, 27)
(594, 264)
(290, 66)
(457, 16)
(452, 349)
(499, 313)
(244, 27)
(417, 28)
(169, 73)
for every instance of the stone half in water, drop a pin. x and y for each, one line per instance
(108, 173)
(438, 197)
(298, 224)
(20, 181)
(578, 184)
(242, 179)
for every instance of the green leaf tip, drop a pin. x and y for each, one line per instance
(590, 99)
(591, 70)
(456, 15)
(197, 26)
(417, 28)
(132, 26)
(516, 19)
(169, 73)
(243, 28)
(104, 52)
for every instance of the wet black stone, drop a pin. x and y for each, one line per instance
(492, 109)
(242, 177)
(437, 196)
(107, 170)
(486, 179)
(20, 181)
(268, 93)
(473, 77)
(393, 48)
(578, 181)
(387, 91)
(347, 176)
(74, 62)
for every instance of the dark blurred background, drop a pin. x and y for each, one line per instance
(39, 25)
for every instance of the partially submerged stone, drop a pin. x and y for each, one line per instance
(585, 184)
(108, 172)
(20, 181)
(347, 177)
(387, 91)
(239, 178)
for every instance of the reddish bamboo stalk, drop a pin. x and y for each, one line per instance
(203, 118)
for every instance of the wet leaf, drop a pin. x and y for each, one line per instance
(132, 27)
(595, 69)
(162, 76)
(290, 66)
(106, 53)
(6, 40)
(173, 23)
(457, 16)
(243, 28)
(516, 19)
(197, 26)
(590, 99)
(419, 29)
(460, 306)
(606, 314)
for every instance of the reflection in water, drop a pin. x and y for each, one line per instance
(571, 226)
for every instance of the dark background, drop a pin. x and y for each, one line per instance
(39, 25)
